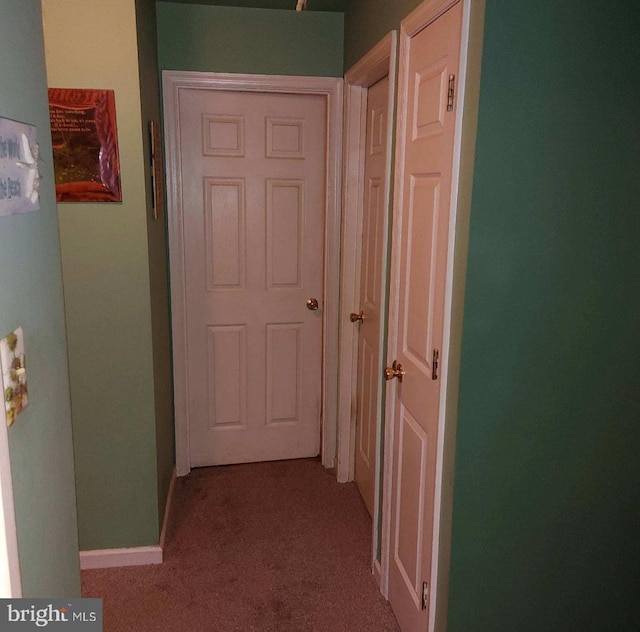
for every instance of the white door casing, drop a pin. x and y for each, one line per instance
(329, 91)
(10, 581)
(432, 48)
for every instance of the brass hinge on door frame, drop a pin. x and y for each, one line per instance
(451, 92)
(425, 595)
(435, 364)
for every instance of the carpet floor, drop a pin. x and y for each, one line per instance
(264, 547)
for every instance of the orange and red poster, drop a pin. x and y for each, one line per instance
(85, 145)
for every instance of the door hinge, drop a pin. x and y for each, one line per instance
(451, 92)
(425, 595)
(435, 363)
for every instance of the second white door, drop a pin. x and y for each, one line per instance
(372, 286)
(253, 172)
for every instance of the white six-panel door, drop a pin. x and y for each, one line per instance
(371, 302)
(253, 177)
(429, 67)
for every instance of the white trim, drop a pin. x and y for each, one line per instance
(353, 178)
(462, 181)
(167, 509)
(445, 434)
(415, 22)
(377, 573)
(10, 582)
(132, 556)
(375, 64)
(111, 558)
(331, 89)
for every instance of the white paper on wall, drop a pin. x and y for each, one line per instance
(19, 171)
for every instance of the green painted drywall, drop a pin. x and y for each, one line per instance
(31, 297)
(366, 22)
(157, 245)
(256, 41)
(547, 484)
(105, 258)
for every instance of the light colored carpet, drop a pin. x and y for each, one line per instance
(265, 547)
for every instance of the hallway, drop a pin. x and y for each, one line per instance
(265, 547)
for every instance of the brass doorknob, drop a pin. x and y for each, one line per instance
(395, 370)
(312, 304)
(354, 318)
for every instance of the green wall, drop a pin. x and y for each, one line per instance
(257, 41)
(31, 297)
(547, 488)
(108, 302)
(157, 247)
(366, 22)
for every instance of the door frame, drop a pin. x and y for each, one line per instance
(331, 89)
(10, 579)
(379, 62)
(462, 175)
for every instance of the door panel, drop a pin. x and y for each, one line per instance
(283, 373)
(225, 247)
(285, 227)
(368, 388)
(253, 174)
(426, 139)
(412, 458)
(227, 355)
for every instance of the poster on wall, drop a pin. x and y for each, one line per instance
(14, 374)
(19, 171)
(85, 145)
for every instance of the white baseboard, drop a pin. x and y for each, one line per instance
(133, 556)
(377, 575)
(110, 558)
(167, 508)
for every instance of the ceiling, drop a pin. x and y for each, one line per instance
(312, 5)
